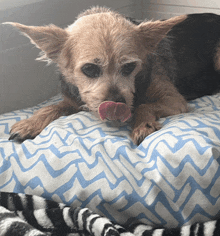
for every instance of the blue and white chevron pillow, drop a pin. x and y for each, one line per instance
(171, 179)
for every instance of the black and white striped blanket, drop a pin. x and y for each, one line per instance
(26, 215)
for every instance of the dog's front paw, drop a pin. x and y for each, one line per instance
(24, 129)
(140, 132)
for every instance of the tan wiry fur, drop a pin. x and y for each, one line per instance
(103, 37)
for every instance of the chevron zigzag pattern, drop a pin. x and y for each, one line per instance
(171, 179)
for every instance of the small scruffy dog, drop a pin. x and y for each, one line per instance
(152, 68)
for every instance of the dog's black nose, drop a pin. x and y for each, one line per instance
(120, 99)
(115, 96)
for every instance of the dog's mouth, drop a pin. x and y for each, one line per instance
(114, 111)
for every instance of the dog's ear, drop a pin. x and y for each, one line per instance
(152, 32)
(50, 39)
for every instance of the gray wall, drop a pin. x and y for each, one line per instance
(164, 9)
(25, 82)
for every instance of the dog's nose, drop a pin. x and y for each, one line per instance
(120, 99)
(115, 96)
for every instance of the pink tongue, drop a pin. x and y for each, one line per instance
(114, 111)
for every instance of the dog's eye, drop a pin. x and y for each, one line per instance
(91, 70)
(128, 68)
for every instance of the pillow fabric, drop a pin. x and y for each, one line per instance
(171, 179)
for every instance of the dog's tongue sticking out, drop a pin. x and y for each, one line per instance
(114, 111)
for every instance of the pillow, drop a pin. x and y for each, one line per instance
(171, 179)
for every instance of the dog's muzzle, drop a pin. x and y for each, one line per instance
(114, 111)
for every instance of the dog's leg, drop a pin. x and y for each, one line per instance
(145, 123)
(30, 128)
(167, 101)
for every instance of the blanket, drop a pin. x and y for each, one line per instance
(26, 215)
(171, 179)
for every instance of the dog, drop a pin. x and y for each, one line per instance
(154, 67)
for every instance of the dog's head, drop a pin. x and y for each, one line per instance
(100, 53)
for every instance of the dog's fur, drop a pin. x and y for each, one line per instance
(104, 56)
